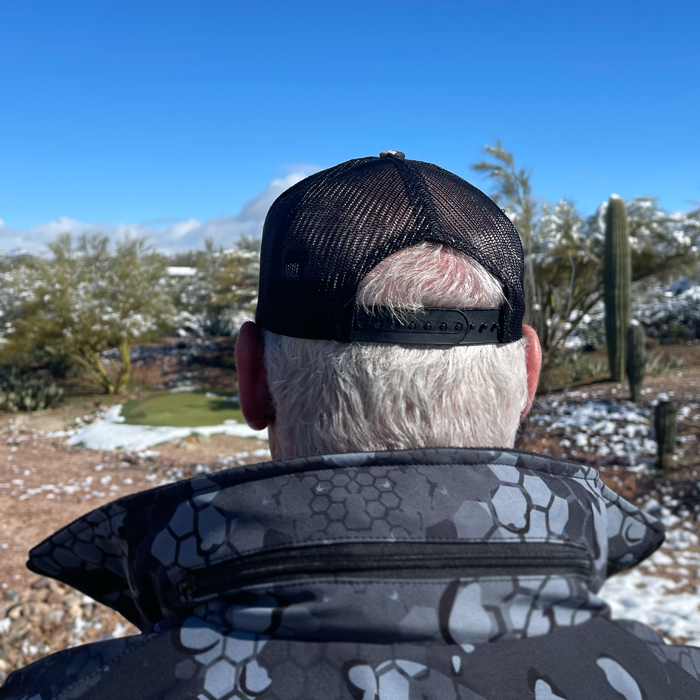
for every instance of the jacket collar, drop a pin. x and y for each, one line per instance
(136, 554)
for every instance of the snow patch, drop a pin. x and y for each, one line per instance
(112, 433)
(183, 388)
(613, 431)
(654, 601)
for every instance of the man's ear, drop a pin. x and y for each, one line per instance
(253, 390)
(533, 362)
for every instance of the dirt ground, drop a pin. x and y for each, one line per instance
(45, 484)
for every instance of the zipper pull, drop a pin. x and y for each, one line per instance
(187, 587)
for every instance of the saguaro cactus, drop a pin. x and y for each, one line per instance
(617, 279)
(665, 428)
(636, 358)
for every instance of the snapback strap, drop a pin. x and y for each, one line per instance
(428, 326)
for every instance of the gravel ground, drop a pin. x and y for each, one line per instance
(45, 484)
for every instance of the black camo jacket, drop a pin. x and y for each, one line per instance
(442, 574)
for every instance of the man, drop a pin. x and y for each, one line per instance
(398, 548)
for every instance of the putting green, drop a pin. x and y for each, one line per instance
(183, 409)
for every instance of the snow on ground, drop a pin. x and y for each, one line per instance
(616, 431)
(238, 459)
(185, 387)
(591, 426)
(662, 591)
(111, 433)
(115, 475)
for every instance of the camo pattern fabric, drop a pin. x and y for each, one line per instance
(132, 553)
(137, 553)
(184, 659)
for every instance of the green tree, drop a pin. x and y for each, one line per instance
(19, 278)
(224, 291)
(512, 191)
(562, 261)
(87, 299)
(566, 265)
(563, 251)
(664, 246)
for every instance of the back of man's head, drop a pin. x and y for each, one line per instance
(417, 382)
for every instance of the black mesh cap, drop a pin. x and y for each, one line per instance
(324, 234)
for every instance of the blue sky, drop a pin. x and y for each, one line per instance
(182, 119)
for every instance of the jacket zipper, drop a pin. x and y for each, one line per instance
(391, 560)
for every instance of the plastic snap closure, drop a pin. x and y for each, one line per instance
(393, 154)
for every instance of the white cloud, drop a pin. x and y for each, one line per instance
(171, 237)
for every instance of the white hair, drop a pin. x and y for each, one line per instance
(332, 397)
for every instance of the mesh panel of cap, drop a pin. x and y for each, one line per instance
(324, 234)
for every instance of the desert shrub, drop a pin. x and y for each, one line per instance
(26, 391)
(660, 364)
(82, 301)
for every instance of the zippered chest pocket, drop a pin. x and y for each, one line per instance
(384, 560)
